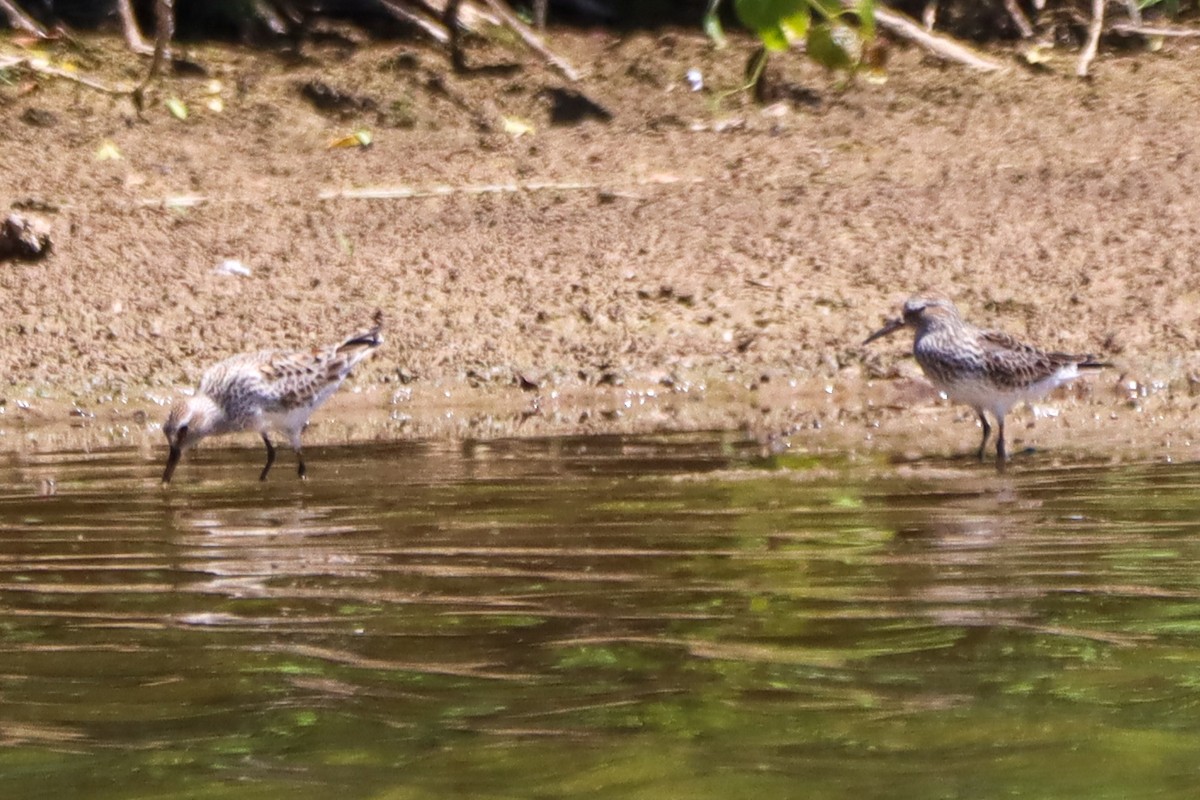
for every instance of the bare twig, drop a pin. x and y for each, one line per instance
(1093, 41)
(1135, 11)
(164, 23)
(19, 19)
(532, 40)
(454, 42)
(1143, 30)
(270, 17)
(133, 34)
(431, 29)
(451, 20)
(40, 67)
(444, 190)
(471, 17)
(941, 46)
(1019, 19)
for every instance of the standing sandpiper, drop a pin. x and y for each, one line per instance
(987, 370)
(271, 390)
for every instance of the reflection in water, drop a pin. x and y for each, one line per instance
(611, 617)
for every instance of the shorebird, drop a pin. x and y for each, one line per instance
(267, 391)
(987, 370)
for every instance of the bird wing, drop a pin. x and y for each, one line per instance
(297, 377)
(248, 381)
(1010, 362)
(278, 381)
(309, 377)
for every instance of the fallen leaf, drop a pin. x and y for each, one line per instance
(360, 138)
(177, 108)
(107, 151)
(1037, 55)
(517, 127)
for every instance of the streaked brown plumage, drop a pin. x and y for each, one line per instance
(271, 390)
(987, 370)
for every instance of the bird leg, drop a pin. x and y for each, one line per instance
(270, 457)
(987, 431)
(1001, 452)
(300, 469)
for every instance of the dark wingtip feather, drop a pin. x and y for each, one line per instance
(369, 339)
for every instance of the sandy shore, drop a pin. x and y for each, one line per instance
(680, 267)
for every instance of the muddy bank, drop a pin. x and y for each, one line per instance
(677, 267)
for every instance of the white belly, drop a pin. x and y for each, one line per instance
(1000, 399)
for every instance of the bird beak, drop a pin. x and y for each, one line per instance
(172, 460)
(176, 452)
(892, 326)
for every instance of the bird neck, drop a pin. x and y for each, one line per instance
(205, 417)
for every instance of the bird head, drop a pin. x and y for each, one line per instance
(189, 421)
(920, 314)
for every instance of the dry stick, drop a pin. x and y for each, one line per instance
(532, 40)
(271, 18)
(164, 23)
(431, 29)
(39, 66)
(1135, 11)
(1142, 30)
(1093, 40)
(941, 46)
(1019, 19)
(443, 190)
(470, 16)
(133, 34)
(454, 40)
(929, 15)
(19, 19)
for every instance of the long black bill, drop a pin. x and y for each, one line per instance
(891, 326)
(172, 460)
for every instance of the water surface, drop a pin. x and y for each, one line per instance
(607, 618)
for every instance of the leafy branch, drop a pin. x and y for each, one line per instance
(833, 33)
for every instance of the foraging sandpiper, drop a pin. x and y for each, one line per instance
(271, 390)
(987, 370)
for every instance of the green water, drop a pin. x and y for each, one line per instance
(598, 618)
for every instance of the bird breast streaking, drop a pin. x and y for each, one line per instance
(987, 370)
(268, 391)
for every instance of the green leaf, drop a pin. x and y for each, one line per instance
(177, 108)
(778, 23)
(825, 50)
(773, 38)
(865, 9)
(795, 27)
(712, 24)
(829, 10)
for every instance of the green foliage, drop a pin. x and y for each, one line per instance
(712, 23)
(835, 34)
(778, 23)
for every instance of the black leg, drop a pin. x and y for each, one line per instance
(270, 457)
(987, 431)
(1001, 452)
(300, 469)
